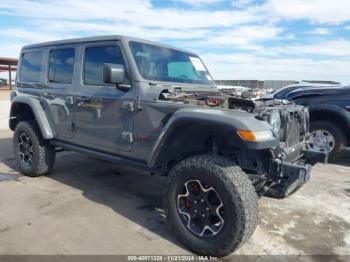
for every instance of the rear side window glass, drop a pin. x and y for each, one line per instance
(61, 64)
(31, 66)
(95, 57)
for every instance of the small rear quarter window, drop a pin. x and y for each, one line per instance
(31, 66)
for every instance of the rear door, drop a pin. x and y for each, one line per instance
(103, 116)
(58, 90)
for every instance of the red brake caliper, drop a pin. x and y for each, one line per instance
(188, 203)
(195, 188)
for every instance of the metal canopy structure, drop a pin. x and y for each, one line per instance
(8, 65)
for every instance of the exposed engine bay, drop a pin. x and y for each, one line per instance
(288, 121)
(225, 99)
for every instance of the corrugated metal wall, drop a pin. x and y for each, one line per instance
(267, 84)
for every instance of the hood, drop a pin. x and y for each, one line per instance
(299, 93)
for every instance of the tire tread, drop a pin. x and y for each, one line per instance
(45, 156)
(230, 174)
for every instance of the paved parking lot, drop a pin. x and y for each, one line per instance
(4, 109)
(88, 206)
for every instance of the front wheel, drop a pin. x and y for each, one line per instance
(211, 205)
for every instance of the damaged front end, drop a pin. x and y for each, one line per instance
(290, 163)
(278, 171)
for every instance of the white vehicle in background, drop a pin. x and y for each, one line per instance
(236, 90)
(244, 92)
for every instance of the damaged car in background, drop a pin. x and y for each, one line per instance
(157, 108)
(329, 108)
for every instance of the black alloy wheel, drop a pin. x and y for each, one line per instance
(25, 149)
(201, 208)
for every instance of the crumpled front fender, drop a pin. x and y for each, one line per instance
(229, 120)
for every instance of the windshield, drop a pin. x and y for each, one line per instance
(164, 64)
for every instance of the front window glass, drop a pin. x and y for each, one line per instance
(165, 64)
(95, 57)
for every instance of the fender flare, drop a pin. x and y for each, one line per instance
(38, 112)
(336, 110)
(225, 120)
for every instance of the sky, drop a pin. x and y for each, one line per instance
(237, 39)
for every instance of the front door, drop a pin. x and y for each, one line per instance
(103, 116)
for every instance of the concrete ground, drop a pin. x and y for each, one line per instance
(4, 108)
(88, 206)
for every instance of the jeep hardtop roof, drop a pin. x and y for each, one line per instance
(102, 38)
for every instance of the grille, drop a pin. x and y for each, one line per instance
(292, 128)
(293, 133)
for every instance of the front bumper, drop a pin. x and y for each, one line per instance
(289, 177)
(314, 157)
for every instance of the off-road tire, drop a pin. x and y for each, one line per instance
(43, 152)
(238, 196)
(337, 132)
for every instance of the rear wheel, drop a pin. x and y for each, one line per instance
(34, 155)
(211, 205)
(326, 137)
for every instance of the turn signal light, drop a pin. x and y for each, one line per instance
(247, 135)
(255, 135)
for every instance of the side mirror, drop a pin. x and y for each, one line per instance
(114, 74)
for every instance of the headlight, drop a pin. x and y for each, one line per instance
(256, 136)
(275, 121)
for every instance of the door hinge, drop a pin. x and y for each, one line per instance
(127, 136)
(69, 100)
(138, 100)
(128, 105)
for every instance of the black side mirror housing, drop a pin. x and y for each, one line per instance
(115, 74)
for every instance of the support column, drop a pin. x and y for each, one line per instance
(10, 77)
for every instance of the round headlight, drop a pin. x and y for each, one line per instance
(275, 121)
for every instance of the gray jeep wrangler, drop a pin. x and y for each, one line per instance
(156, 108)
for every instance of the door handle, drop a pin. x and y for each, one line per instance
(49, 96)
(83, 100)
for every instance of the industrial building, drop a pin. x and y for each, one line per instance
(268, 84)
(8, 65)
